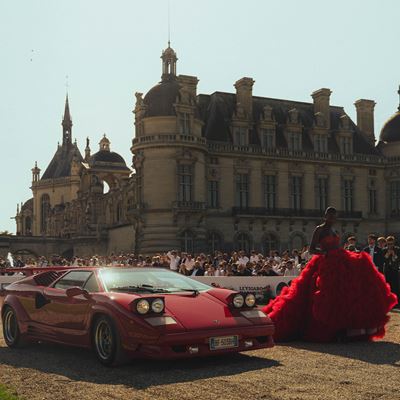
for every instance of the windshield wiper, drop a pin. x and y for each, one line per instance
(194, 291)
(139, 288)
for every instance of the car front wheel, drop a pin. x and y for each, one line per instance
(106, 342)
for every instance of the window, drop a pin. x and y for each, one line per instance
(243, 242)
(240, 136)
(270, 191)
(296, 192)
(187, 242)
(320, 143)
(346, 144)
(184, 124)
(214, 242)
(242, 190)
(267, 138)
(213, 194)
(294, 141)
(91, 284)
(395, 196)
(270, 243)
(372, 198)
(348, 185)
(139, 185)
(28, 225)
(321, 192)
(185, 182)
(44, 212)
(71, 279)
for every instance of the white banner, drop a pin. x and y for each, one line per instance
(260, 285)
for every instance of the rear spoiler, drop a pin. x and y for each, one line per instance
(29, 271)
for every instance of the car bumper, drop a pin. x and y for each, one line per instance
(197, 344)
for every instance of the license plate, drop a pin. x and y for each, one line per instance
(224, 342)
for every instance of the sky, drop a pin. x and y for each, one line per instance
(111, 49)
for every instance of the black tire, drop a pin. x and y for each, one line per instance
(11, 332)
(107, 343)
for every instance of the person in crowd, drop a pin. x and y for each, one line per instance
(290, 269)
(375, 252)
(391, 265)
(381, 242)
(198, 269)
(296, 257)
(351, 244)
(243, 259)
(174, 260)
(254, 257)
(305, 253)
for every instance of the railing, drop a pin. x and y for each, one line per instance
(286, 153)
(189, 205)
(289, 212)
(169, 138)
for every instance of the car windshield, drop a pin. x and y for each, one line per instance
(149, 280)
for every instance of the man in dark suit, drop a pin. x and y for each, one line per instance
(375, 252)
(198, 269)
(392, 265)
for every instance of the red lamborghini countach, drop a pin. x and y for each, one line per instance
(124, 313)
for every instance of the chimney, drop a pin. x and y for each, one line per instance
(244, 96)
(321, 104)
(365, 118)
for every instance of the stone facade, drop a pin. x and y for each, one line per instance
(221, 171)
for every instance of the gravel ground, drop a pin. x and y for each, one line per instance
(363, 371)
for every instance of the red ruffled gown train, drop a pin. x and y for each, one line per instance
(335, 294)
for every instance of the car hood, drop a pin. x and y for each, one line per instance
(203, 311)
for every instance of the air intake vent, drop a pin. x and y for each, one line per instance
(47, 278)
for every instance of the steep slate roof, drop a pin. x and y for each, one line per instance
(217, 109)
(60, 165)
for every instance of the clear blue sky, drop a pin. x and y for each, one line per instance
(111, 49)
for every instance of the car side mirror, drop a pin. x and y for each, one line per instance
(77, 291)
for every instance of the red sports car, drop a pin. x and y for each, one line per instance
(124, 313)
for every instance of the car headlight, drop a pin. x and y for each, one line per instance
(143, 306)
(238, 300)
(157, 306)
(250, 300)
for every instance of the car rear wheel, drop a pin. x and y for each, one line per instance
(106, 342)
(11, 332)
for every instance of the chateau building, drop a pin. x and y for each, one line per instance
(217, 171)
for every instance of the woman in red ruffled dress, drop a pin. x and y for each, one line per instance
(340, 295)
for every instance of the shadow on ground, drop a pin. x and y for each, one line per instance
(81, 365)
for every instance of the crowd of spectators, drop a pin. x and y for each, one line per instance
(383, 251)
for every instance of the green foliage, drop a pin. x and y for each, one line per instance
(6, 394)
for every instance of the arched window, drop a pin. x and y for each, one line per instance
(243, 242)
(270, 242)
(214, 242)
(44, 212)
(28, 225)
(187, 242)
(297, 242)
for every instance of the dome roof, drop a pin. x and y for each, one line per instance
(161, 98)
(105, 156)
(391, 129)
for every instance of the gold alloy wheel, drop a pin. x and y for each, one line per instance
(104, 340)
(10, 326)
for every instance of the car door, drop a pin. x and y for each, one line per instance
(68, 313)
